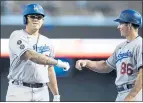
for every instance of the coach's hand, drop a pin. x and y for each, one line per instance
(80, 64)
(64, 65)
(56, 98)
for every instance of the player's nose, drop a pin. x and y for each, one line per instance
(118, 27)
(35, 20)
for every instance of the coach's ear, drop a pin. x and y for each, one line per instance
(131, 26)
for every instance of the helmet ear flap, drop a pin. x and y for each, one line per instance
(25, 20)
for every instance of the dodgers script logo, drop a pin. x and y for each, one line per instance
(123, 55)
(41, 49)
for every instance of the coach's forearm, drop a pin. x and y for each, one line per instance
(137, 87)
(53, 81)
(39, 58)
(98, 66)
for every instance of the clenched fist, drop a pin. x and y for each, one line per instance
(80, 64)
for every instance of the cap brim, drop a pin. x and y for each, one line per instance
(119, 20)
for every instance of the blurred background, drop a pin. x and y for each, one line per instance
(79, 30)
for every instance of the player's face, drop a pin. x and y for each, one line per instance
(124, 29)
(35, 21)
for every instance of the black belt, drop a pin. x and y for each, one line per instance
(32, 85)
(124, 87)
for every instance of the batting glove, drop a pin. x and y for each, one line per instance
(56, 98)
(64, 65)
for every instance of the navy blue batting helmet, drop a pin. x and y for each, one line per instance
(32, 9)
(130, 16)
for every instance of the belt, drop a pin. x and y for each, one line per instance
(124, 87)
(32, 85)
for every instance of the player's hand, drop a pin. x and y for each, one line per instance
(64, 65)
(56, 98)
(80, 64)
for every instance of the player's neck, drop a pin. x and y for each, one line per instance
(132, 36)
(32, 32)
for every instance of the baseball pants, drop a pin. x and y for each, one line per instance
(23, 93)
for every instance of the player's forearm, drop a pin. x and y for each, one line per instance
(98, 66)
(53, 81)
(39, 58)
(137, 87)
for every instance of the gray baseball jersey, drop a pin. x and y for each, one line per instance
(127, 59)
(26, 70)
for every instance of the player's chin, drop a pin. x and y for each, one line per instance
(36, 28)
(122, 35)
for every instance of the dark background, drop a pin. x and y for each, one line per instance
(93, 32)
(83, 85)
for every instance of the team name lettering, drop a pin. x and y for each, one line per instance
(41, 49)
(123, 55)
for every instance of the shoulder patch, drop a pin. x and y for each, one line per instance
(19, 42)
(22, 46)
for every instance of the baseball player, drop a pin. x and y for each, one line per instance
(126, 59)
(32, 60)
